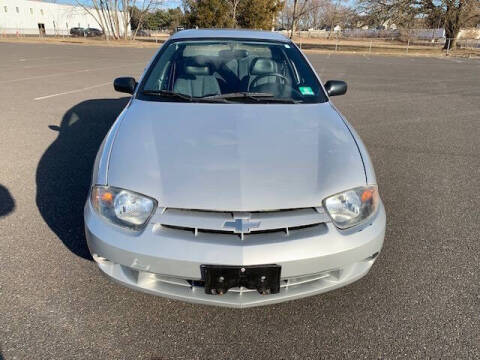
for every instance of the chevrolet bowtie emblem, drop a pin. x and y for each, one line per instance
(241, 225)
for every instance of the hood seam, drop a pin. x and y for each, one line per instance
(354, 139)
(120, 120)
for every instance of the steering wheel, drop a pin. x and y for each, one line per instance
(284, 78)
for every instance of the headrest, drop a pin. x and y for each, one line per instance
(196, 65)
(241, 53)
(230, 54)
(261, 66)
(226, 54)
(197, 70)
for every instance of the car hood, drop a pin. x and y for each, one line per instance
(242, 157)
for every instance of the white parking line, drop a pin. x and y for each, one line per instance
(67, 73)
(56, 64)
(72, 91)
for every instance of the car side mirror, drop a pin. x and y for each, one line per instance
(335, 87)
(125, 85)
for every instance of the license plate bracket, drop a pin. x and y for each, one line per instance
(220, 278)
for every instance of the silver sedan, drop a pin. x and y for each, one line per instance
(231, 179)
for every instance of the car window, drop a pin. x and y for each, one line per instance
(212, 69)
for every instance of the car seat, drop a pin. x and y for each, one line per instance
(196, 80)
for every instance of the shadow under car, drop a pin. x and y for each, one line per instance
(64, 171)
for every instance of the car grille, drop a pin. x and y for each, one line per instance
(145, 278)
(241, 224)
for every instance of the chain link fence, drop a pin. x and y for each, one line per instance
(150, 35)
(429, 41)
(34, 32)
(357, 40)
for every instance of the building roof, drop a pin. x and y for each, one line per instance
(229, 33)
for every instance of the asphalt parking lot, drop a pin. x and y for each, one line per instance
(420, 120)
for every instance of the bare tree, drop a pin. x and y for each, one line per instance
(94, 11)
(458, 14)
(146, 7)
(300, 9)
(113, 15)
(285, 16)
(234, 5)
(333, 17)
(453, 14)
(296, 14)
(312, 14)
(315, 18)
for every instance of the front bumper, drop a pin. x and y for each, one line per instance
(160, 263)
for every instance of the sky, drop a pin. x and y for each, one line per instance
(166, 4)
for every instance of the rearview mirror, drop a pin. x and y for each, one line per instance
(335, 87)
(125, 85)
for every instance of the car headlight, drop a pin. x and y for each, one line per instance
(122, 207)
(352, 207)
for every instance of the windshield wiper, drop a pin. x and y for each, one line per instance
(253, 96)
(179, 96)
(167, 93)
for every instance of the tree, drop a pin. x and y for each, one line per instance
(258, 14)
(317, 17)
(300, 9)
(110, 14)
(234, 6)
(252, 14)
(176, 17)
(306, 14)
(451, 14)
(161, 19)
(208, 13)
(140, 14)
(134, 17)
(457, 15)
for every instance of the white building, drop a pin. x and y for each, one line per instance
(37, 17)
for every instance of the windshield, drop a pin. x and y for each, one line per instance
(229, 71)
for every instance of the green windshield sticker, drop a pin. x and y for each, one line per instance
(306, 90)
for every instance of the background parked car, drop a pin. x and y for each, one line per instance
(92, 32)
(77, 31)
(143, 33)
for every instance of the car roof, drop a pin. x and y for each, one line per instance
(230, 34)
